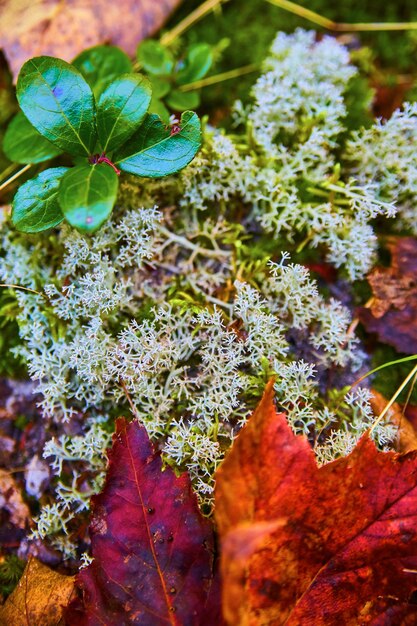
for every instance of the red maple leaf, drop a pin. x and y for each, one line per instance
(153, 550)
(315, 546)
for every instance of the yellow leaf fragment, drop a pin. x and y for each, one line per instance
(39, 598)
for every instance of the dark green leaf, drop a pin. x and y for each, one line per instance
(35, 205)
(59, 103)
(23, 144)
(121, 109)
(159, 108)
(8, 104)
(183, 100)
(101, 64)
(196, 64)
(154, 152)
(155, 58)
(4, 161)
(87, 195)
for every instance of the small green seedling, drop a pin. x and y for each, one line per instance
(102, 122)
(167, 75)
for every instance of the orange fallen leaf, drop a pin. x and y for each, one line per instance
(237, 547)
(346, 553)
(63, 29)
(39, 598)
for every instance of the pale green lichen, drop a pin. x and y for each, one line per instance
(181, 314)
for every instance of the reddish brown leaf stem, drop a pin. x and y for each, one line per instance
(101, 158)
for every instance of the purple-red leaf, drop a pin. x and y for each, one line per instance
(153, 550)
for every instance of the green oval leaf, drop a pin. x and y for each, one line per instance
(183, 100)
(59, 103)
(154, 152)
(196, 64)
(101, 64)
(23, 144)
(160, 86)
(121, 108)
(155, 58)
(35, 206)
(87, 195)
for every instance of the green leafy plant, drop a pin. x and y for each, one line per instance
(103, 124)
(168, 75)
(11, 570)
(10, 364)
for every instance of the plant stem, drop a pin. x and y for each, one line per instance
(8, 170)
(407, 400)
(15, 176)
(38, 293)
(383, 366)
(316, 18)
(375, 26)
(218, 78)
(188, 21)
(312, 16)
(129, 399)
(394, 397)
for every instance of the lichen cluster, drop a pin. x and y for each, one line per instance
(182, 306)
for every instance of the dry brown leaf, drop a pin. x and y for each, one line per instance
(393, 311)
(407, 436)
(39, 598)
(37, 476)
(63, 29)
(390, 290)
(11, 500)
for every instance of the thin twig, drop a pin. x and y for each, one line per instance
(354, 323)
(188, 21)
(320, 20)
(226, 305)
(12, 178)
(219, 78)
(129, 399)
(185, 243)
